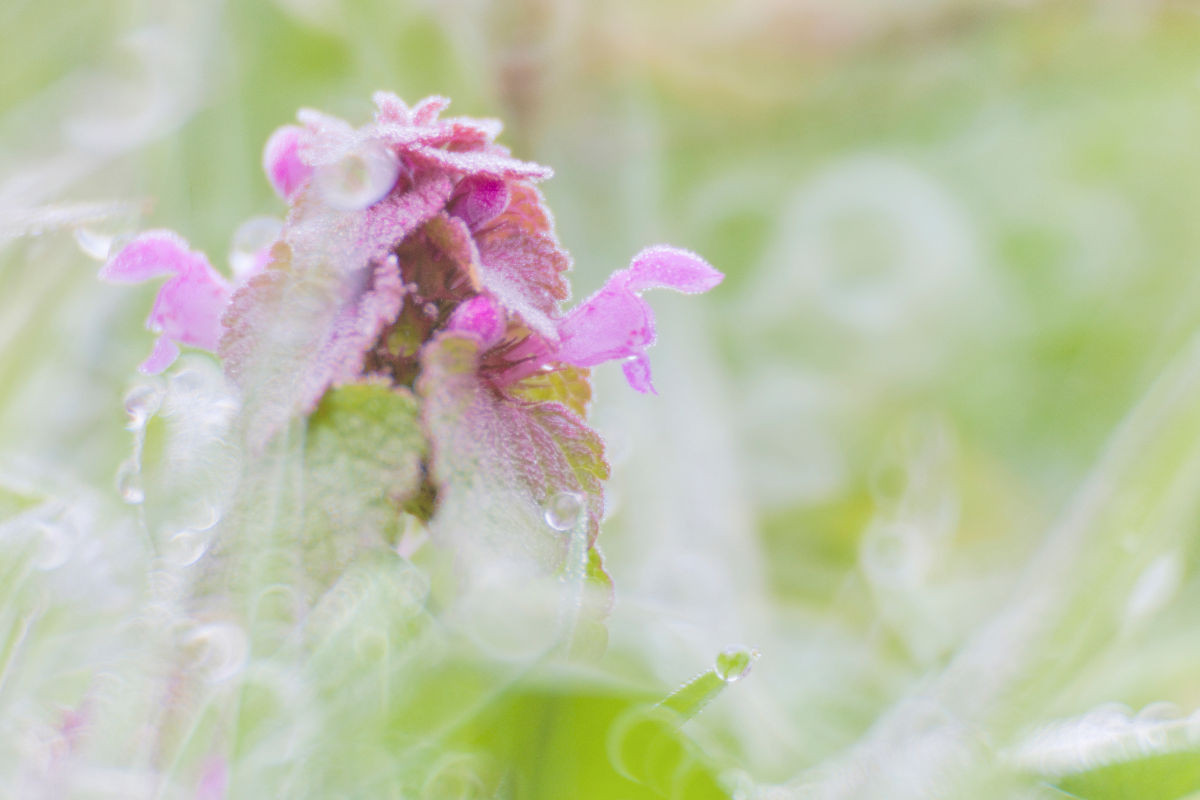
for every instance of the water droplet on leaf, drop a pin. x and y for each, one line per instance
(360, 179)
(221, 650)
(563, 511)
(734, 663)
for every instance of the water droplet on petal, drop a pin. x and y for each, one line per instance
(250, 239)
(563, 511)
(734, 663)
(360, 179)
(186, 547)
(141, 403)
(129, 482)
(221, 650)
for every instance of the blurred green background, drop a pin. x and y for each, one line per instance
(960, 248)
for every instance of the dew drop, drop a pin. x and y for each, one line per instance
(563, 511)
(455, 777)
(54, 546)
(220, 650)
(129, 482)
(360, 179)
(250, 239)
(186, 547)
(734, 663)
(431, 310)
(141, 403)
(93, 243)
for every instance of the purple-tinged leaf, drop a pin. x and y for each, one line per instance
(521, 262)
(291, 333)
(496, 463)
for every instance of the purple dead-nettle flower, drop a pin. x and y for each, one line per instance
(189, 305)
(419, 253)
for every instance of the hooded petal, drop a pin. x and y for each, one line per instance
(663, 267)
(151, 254)
(281, 161)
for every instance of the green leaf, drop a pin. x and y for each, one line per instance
(1166, 776)
(363, 459)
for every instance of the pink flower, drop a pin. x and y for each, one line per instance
(189, 305)
(281, 161)
(615, 322)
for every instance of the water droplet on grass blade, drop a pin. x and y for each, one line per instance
(734, 663)
(186, 547)
(54, 546)
(220, 650)
(563, 510)
(359, 179)
(129, 482)
(141, 403)
(93, 243)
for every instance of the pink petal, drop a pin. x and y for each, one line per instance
(613, 323)
(188, 307)
(162, 356)
(664, 267)
(637, 372)
(150, 255)
(481, 318)
(281, 161)
(478, 199)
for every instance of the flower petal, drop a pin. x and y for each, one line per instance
(162, 356)
(614, 323)
(478, 199)
(150, 255)
(479, 317)
(637, 372)
(664, 267)
(281, 161)
(188, 307)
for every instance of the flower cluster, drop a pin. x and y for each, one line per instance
(416, 251)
